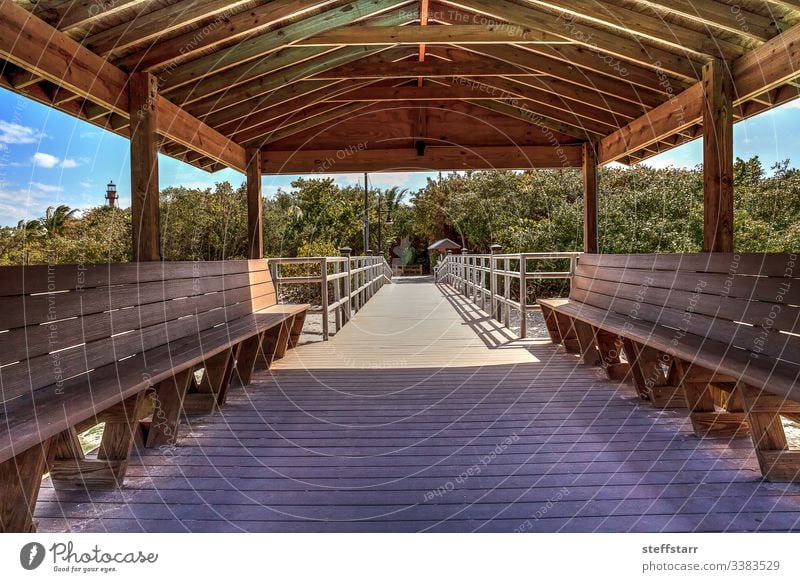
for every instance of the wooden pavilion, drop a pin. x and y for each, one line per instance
(289, 86)
(329, 86)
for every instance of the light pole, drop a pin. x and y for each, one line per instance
(366, 212)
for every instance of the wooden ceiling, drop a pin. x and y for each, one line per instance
(463, 76)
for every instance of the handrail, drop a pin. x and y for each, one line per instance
(486, 280)
(346, 283)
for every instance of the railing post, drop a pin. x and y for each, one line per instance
(348, 312)
(494, 249)
(337, 295)
(323, 263)
(523, 297)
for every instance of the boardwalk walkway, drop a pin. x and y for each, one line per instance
(423, 415)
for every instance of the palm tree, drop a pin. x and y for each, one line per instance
(29, 227)
(56, 218)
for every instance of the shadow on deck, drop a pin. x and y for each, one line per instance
(425, 415)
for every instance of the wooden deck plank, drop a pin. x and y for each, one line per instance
(422, 414)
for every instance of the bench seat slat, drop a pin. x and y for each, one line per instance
(763, 264)
(24, 280)
(33, 373)
(34, 417)
(26, 310)
(747, 287)
(781, 377)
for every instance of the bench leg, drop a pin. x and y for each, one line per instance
(20, 480)
(764, 411)
(246, 362)
(609, 347)
(713, 414)
(213, 388)
(566, 330)
(69, 469)
(587, 342)
(169, 396)
(297, 329)
(551, 324)
(276, 342)
(656, 386)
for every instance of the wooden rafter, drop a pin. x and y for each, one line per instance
(285, 61)
(771, 65)
(637, 24)
(428, 35)
(157, 23)
(435, 158)
(259, 46)
(246, 23)
(622, 47)
(32, 44)
(75, 13)
(247, 98)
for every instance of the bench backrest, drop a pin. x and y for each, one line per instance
(58, 322)
(750, 301)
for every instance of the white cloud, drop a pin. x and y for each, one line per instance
(69, 163)
(87, 184)
(44, 160)
(11, 133)
(46, 188)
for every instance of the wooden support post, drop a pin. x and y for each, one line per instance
(255, 244)
(248, 354)
(589, 198)
(20, 480)
(169, 396)
(213, 388)
(69, 469)
(609, 345)
(701, 392)
(718, 157)
(764, 411)
(552, 325)
(648, 375)
(297, 329)
(144, 167)
(276, 341)
(587, 342)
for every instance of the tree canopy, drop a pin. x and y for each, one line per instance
(641, 209)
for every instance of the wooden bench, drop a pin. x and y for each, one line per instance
(122, 345)
(716, 333)
(408, 270)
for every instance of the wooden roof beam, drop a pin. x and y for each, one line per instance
(184, 46)
(720, 15)
(575, 55)
(635, 24)
(771, 65)
(285, 58)
(158, 23)
(32, 44)
(259, 46)
(260, 115)
(436, 158)
(259, 136)
(76, 13)
(457, 34)
(247, 96)
(601, 41)
(543, 117)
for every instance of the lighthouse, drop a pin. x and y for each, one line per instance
(111, 195)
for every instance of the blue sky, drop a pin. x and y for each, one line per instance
(49, 158)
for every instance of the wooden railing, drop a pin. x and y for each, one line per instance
(488, 281)
(344, 284)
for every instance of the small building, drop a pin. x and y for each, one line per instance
(444, 245)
